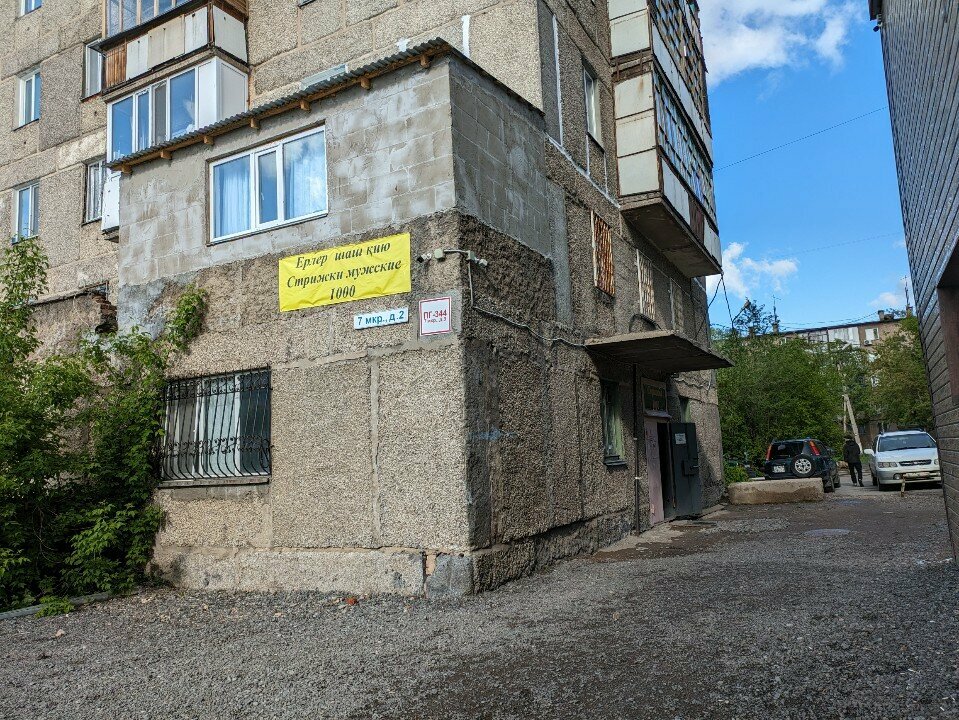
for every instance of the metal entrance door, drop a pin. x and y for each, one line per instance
(687, 481)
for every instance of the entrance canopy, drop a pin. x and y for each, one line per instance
(664, 351)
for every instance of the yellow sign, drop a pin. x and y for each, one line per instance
(346, 273)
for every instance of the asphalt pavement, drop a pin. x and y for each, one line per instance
(841, 609)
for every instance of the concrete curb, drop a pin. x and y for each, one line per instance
(76, 602)
(771, 492)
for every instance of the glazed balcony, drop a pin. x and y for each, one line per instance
(143, 35)
(665, 175)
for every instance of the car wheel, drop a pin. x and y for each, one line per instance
(803, 466)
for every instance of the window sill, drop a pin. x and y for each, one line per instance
(615, 463)
(26, 124)
(214, 482)
(269, 228)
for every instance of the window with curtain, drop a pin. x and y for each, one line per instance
(611, 406)
(28, 211)
(218, 427)
(271, 185)
(231, 189)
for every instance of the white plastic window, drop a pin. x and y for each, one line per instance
(269, 186)
(92, 72)
(29, 97)
(175, 106)
(28, 211)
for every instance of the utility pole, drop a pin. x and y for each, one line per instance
(852, 419)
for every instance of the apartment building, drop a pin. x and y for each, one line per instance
(865, 335)
(454, 254)
(920, 44)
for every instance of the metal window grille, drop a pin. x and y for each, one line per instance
(603, 274)
(647, 290)
(217, 427)
(96, 174)
(679, 312)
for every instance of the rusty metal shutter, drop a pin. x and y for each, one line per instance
(603, 274)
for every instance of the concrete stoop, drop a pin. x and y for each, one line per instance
(770, 492)
(385, 571)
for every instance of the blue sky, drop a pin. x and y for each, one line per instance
(794, 223)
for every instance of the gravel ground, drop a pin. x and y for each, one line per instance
(751, 613)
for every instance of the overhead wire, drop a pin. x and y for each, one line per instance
(800, 139)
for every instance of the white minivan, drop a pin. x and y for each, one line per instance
(910, 456)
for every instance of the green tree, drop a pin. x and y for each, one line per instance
(78, 435)
(856, 372)
(777, 388)
(902, 393)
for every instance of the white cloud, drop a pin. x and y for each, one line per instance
(741, 35)
(746, 275)
(895, 299)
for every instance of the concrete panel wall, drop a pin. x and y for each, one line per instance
(288, 43)
(368, 436)
(54, 149)
(500, 160)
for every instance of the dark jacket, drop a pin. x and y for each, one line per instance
(851, 452)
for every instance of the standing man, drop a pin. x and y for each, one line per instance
(852, 454)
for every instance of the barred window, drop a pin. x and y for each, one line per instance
(217, 427)
(647, 292)
(603, 256)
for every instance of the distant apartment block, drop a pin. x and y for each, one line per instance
(454, 254)
(865, 335)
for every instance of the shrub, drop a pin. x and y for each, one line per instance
(735, 474)
(78, 438)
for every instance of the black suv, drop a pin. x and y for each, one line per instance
(803, 458)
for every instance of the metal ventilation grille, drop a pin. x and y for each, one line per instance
(217, 427)
(603, 274)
